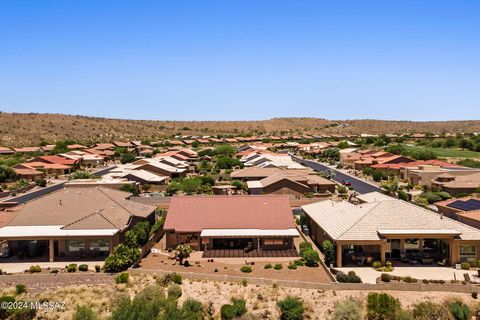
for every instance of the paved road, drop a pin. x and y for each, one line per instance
(358, 185)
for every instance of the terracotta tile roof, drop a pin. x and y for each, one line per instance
(44, 165)
(27, 172)
(76, 146)
(54, 160)
(195, 213)
(81, 208)
(27, 149)
(416, 164)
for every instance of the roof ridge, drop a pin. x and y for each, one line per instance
(358, 221)
(88, 216)
(108, 196)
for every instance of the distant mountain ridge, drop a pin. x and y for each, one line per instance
(17, 129)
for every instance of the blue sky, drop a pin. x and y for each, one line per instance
(229, 60)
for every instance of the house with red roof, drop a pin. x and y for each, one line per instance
(232, 226)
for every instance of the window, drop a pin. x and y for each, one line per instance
(273, 242)
(100, 244)
(412, 244)
(75, 245)
(467, 252)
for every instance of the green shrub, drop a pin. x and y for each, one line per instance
(376, 264)
(54, 271)
(329, 252)
(176, 278)
(122, 278)
(35, 269)
(97, 268)
(246, 269)
(174, 291)
(351, 277)
(267, 266)
(291, 308)
(292, 266)
(465, 265)
(311, 258)
(72, 267)
(460, 311)
(385, 277)
(431, 197)
(348, 309)
(299, 263)
(84, 313)
(20, 288)
(304, 246)
(429, 310)
(83, 267)
(409, 280)
(383, 306)
(5, 312)
(122, 258)
(234, 310)
(278, 266)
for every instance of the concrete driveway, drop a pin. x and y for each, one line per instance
(368, 275)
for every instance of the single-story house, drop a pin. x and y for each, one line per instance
(390, 229)
(4, 150)
(263, 225)
(74, 223)
(466, 210)
(456, 184)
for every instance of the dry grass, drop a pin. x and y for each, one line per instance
(261, 300)
(26, 129)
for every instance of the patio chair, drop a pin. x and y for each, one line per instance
(155, 251)
(442, 263)
(404, 257)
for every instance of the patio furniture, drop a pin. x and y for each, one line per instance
(467, 278)
(155, 251)
(442, 263)
(404, 257)
(369, 260)
(427, 260)
(360, 261)
(412, 261)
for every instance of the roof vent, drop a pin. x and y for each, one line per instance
(60, 202)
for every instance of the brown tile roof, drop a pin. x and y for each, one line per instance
(81, 208)
(195, 213)
(54, 159)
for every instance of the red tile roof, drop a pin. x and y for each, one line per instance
(54, 159)
(416, 164)
(195, 213)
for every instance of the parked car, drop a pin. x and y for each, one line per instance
(346, 183)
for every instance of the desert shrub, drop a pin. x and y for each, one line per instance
(234, 310)
(311, 258)
(465, 265)
(304, 246)
(267, 266)
(4, 312)
(72, 267)
(444, 195)
(409, 279)
(351, 277)
(299, 263)
(246, 269)
(428, 310)
(431, 197)
(347, 309)
(292, 266)
(83, 267)
(54, 271)
(459, 310)
(97, 268)
(329, 252)
(35, 269)
(174, 291)
(385, 277)
(20, 288)
(146, 304)
(122, 278)
(474, 294)
(278, 266)
(291, 308)
(176, 278)
(376, 264)
(192, 310)
(41, 182)
(84, 313)
(122, 258)
(382, 306)
(157, 226)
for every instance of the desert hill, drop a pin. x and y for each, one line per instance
(17, 129)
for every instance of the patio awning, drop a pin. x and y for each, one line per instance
(419, 232)
(12, 232)
(219, 233)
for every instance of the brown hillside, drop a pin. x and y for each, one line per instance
(25, 129)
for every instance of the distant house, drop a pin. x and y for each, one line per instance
(84, 159)
(404, 170)
(466, 210)
(73, 223)
(238, 225)
(291, 183)
(6, 151)
(455, 183)
(27, 149)
(390, 229)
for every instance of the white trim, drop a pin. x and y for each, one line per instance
(249, 233)
(419, 232)
(51, 231)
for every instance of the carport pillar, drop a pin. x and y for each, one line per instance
(51, 251)
(383, 251)
(339, 255)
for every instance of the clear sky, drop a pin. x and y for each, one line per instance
(229, 60)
